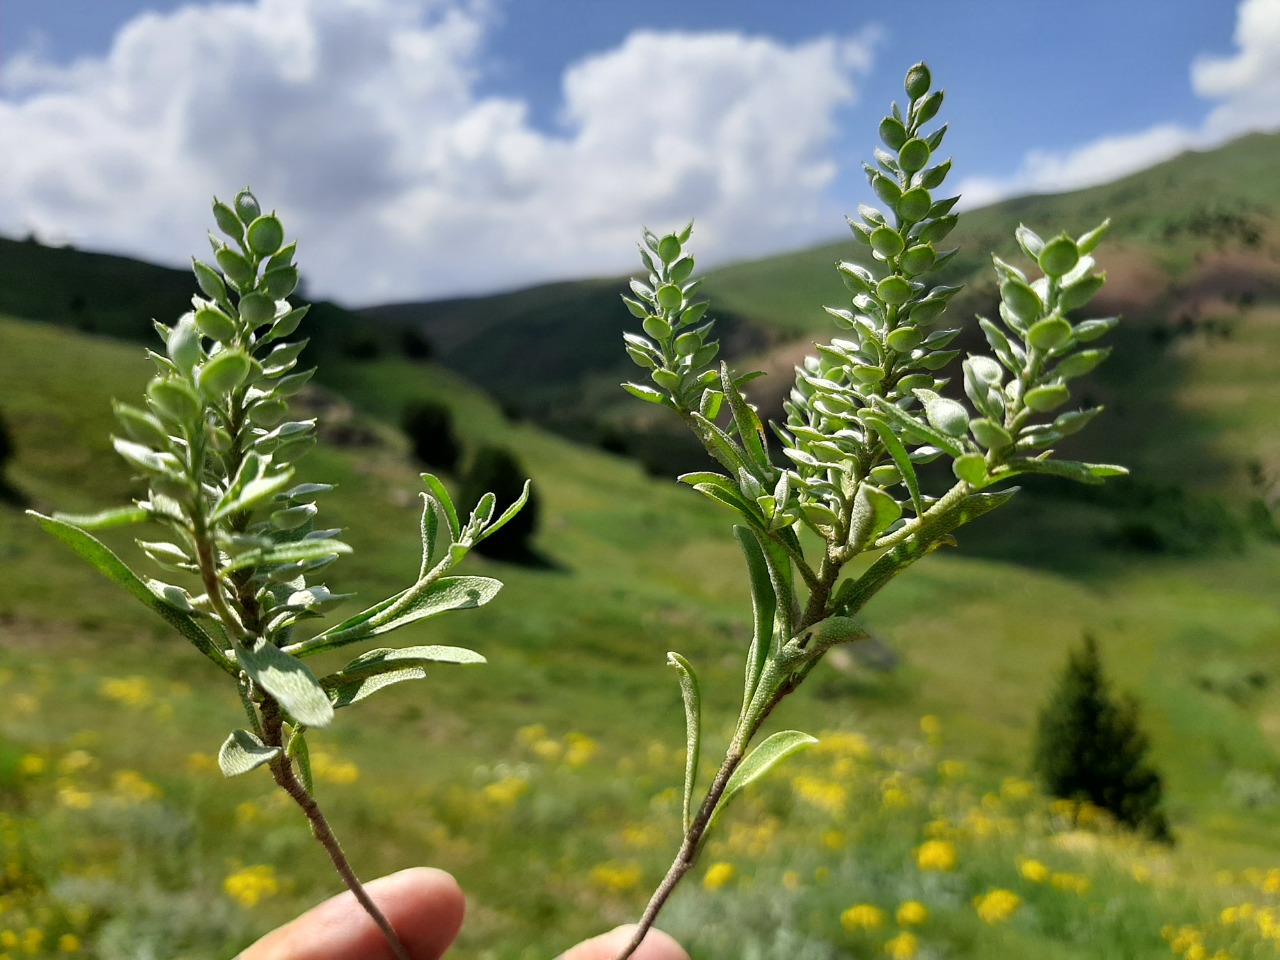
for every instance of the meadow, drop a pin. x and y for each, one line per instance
(547, 780)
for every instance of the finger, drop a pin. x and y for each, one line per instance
(424, 906)
(656, 946)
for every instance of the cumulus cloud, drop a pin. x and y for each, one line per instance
(1246, 85)
(361, 122)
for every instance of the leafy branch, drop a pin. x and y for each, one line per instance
(217, 450)
(863, 416)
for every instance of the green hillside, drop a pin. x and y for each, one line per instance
(545, 780)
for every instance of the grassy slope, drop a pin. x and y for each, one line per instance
(644, 567)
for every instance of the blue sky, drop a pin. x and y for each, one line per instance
(434, 147)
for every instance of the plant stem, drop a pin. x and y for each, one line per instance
(282, 771)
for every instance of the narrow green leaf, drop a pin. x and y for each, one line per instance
(909, 424)
(242, 751)
(297, 751)
(750, 429)
(507, 514)
(104, 519)
(759, 761)
(114, 569)
(901, 459)
(441, 496)
(288, 553)
(764, 606)
(1068, 469)
(692, 697)
(289, 680)
(372, 671)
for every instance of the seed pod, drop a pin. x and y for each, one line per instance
(687, 344)
(918, 259)
(681, 270)
(290, 518)
(247, 208)
(227, 221)
(174, 399)
(668, 248)
(1049, 333)
(215, 324)
(894, 290)
(141, 426)
(669, 297)
(947, 416)
(1046, 398)
(887, 242)
(280, 282)
(265, 235)
(1024, 302)
(210, 283)
(183, 345)
(256, 309)
(885, 475)
(221, 374)
(667, 379)
(905, 339)
(990, 435)
(1058, 256)
(867, 373)
(893, 133)
(657, 328)
(913, 155)
(914, 205)
(238, 270)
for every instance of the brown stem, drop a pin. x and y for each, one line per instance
(282, 770)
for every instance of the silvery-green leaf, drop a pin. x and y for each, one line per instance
(297, 751)
(287, 553)
(242, 751)
(104, 519)
(764, 605)
(759, 762)
(507, 514)
(692, 698)
(376, 669)
(289, 680)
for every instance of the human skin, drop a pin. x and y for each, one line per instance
(426, 908)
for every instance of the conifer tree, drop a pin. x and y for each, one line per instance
(1090, 747)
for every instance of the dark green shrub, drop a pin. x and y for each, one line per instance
(496, 470)
(1089, 747)
(429, 427)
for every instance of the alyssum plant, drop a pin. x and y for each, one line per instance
(216, 447)
(862, 416)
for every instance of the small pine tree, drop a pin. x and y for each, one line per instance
(496, 470)
(429, 427)
(1089, 747)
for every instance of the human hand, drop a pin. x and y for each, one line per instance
(425, 907)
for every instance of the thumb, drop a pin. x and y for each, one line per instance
(656, 946)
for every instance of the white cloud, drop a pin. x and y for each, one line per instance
(1246, 84)
(360, 121)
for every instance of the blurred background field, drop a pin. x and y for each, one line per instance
(547, 780)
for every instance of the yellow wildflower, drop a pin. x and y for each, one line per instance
(902, 947)
(528, 736)
(504, 792)
(547, 750)
(862, 916)
(132, 787)
(1072, 882)
(617, 877)
(68, 943)
(834, 840)
(791, 880)
(823, 794)
(1017, 790)
(326, 768)
(952, 769)
(930, 726)
(1033, 870)
(719, 875)
(31, 765)
(579, 749)
(996, 906)
(936, 855)
(199, 762)
(250, 885)
(131, 691)
(912, 913)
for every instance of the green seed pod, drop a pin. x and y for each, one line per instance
(971, 468)
(1081, 292)
(893, 133)
(657, 328)
(914, 155)
(247, 208)
(215, 324)
(687, 344)
(279, 282)
(681, 270)
(256, 309)
(918, 259)
(947, 416)
(221, 374)
(990, 435)
(886, 189)
(918, 81)
(238, 270)
(936, 230)
(210, 283)
(284, 256)
(288, 323)
(1087, 331)
(669, 297)
(669, 248)
(265, 236)
(290, 518)
(887, 242)
(857, 279)
(1058, 256)
(1046, 398)
(927, 110)
(1049, 333)
(905, 339)
(141, 426)
(174, 400)
(912, 382)
(885, 475)
(183, 345)
(914, 205)
(1078, 364)
(894, 290)
(1024, 302)
(669, 380)
(227, 220)
(268, 413)
(866, 373)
